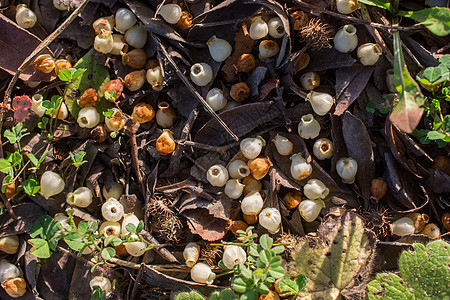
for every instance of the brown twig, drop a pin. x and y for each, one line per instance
(135, 155)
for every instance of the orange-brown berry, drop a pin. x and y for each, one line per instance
(240, 91)
(89, 98)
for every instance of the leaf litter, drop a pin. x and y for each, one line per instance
(396, 129)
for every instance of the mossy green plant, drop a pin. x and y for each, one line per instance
(424, 274)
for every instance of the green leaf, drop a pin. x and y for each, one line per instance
(6, 181)
(290, 287)
(108, 113)
(250, 295)
(240, 285)
(83, 227)
(31, 187)
(10, 136)
(77, 159)
(275, 261)
(40, 248)
(226, 294)
(276, 272)
(436, 19)
(5, 166)
(140, 227)
(383, 109)
(381, 4)
(435, 135)
(266, 242)
(97, 292)
(445, 60)
(45, 227)
(74, 241)
(436, 75)
(108, 253)
(253, 250)
(264, 258)
(424, 274)
(278, 249)
(407, 112)
(113, 240)
(64, 75)
(33, 159)
(446, 123)
(95, 76)
(77, 73)
(263, 288)
(422, 135)
(245, 272)
(131, 228)
(370, 107)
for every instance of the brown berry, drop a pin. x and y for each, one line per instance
(378, 189)
(185, 21)
(165, 144)
(245, 63)
(89, 98)
(143, 113)
(99, 133)
(259, 167)
(62, 64)
(240, 91)
(431, 230)
(44, 63)
(250, 219)
(293, 199)
(302, 62)
(10, 190)
(136, 58)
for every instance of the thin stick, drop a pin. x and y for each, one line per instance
(194, 91)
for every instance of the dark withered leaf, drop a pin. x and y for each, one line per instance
(16, 44)
(27, 214)
(241, 120)
(56, 275)
(350, 82)
(359, 147)
(329, 58)
(438, 181)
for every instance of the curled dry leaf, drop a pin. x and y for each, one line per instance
(206, 225)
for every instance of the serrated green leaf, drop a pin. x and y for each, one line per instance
(407, 112)
(389, 286)
(436, 19)
(95, 76)
(40, 248)
(266, 242)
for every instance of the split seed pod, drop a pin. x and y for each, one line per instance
(166, 115)
(217, 175)
(191, 253)
(44, 63)
(89, 98)
(238, 169)
(240, 91)
(143, 113)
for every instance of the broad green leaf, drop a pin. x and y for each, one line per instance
(436, 75)
(370, 107)
(5, 166)
(45, 227)
(250, 295)
(97, 292)
(33, 159)
(264, 258)
(266, 242)
(226, 294)
(290, 287)
(385, 4)
(342, 252)
(6, 181)
(246, 272)
(74, 241)
(131, 228)
(31, 187)
(64, 75)
(445, 60)
(436, 19)
(253, 250)
(83, 227)
(407, 112)
(240, 285)
(10, 136)
(278, 249)
(276, 272)
(275, 261)
(140, 227)
(40, 248)
(435, 135)
(262, 288)
(424, 275)
(108, 253)
(95, 76)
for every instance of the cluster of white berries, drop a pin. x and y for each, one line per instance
(415, 223)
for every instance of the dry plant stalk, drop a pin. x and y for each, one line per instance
(317, 34)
